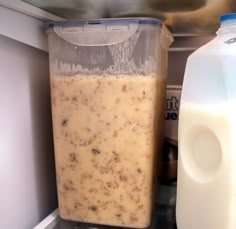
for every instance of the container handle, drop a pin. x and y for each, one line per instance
(166, 38)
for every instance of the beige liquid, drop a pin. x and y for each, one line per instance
(104, 135)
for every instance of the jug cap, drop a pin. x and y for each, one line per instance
(227, 17)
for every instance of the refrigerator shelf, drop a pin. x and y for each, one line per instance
(29, 10)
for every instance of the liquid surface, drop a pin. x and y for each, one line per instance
(105, 129)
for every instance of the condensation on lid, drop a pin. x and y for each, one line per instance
(227, 17)
(112, 21)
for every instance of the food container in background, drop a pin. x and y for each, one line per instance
(193, 17)
(170, 150)
(127, 7)
(72, 9)
(132, 8)
(181, 16)
(108, 80)
(176, 5)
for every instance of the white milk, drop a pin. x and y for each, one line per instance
(207, 164)
(206, 186)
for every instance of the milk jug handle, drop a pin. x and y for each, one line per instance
(166, 37)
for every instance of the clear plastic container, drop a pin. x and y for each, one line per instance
(108, 80)
(207, 131)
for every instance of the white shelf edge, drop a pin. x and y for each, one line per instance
(30, 10)
(23, 28)
(48, 221)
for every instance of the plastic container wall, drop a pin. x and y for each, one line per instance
(108, 80)
(107, 49)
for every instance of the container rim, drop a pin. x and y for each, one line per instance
(106, 21)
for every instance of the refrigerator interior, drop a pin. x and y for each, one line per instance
(27, 176)
(182, 16)
(27, 171)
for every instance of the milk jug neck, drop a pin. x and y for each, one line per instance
(228, 24)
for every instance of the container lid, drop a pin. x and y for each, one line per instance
(227, 17)
(111, 31)
(112, 21)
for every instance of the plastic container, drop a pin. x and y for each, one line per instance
(207, 131)
(193, 17)
(127, 7)
(181, 16)
(169, 160)
(108, 80)
(177, 5)
(73, 9)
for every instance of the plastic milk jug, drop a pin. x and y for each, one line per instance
(206, 188)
